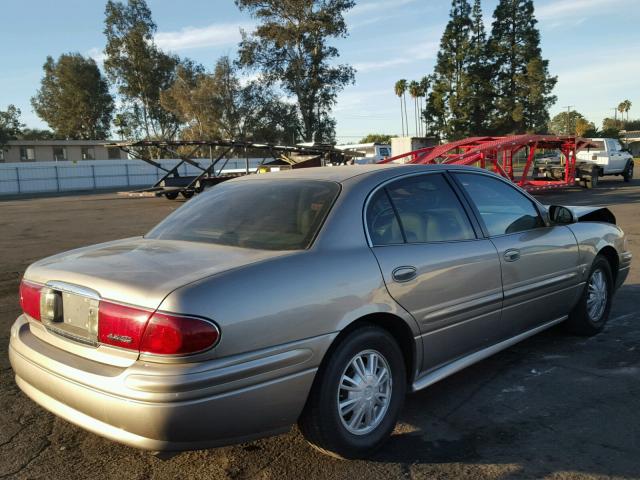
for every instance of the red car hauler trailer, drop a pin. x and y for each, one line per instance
(499, 153)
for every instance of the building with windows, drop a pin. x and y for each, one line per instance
(16, 151)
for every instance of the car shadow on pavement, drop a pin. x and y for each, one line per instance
(553, 403)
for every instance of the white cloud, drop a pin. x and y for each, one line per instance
(588, 83)
(421, 51)
(214, 35)
(557, 9)
(97, 54)
(376, 5)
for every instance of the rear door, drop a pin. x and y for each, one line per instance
(539, 262)
(435, 265)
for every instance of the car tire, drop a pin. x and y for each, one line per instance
(591, 313)
(187, 194)
(592, 180)
(338, 432)
(171, 195)
(628, 172)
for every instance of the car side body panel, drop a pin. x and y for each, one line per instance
(544, 282)
(593, 238)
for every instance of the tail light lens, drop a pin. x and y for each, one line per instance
(120, 325)
(177, 335)
(30, 299)
(155, 333)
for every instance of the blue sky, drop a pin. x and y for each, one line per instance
(592, 45)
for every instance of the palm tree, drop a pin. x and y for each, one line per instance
(400, 88)
(425, 84)
(621, 107)
(627, 107)
(414, 91)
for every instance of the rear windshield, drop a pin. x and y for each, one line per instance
(271, 215)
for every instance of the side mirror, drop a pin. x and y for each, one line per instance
(561, 215)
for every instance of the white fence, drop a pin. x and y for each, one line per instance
(42, 177)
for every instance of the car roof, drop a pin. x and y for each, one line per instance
(341, 173)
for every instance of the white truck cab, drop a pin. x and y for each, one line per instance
(609, 158)
(373, 152)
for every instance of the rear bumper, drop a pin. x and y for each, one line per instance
(208, 408)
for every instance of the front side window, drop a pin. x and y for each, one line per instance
(614, 145)
(263, 214)
(503, 209)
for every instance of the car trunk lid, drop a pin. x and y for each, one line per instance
(137, 271)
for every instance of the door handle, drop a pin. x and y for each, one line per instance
(512, 255)
(404, 274)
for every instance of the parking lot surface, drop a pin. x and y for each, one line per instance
(554, 406)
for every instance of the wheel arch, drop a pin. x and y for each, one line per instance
(610, 254)
(396, 327)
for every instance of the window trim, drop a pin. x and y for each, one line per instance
(537, 205)
(475, 227)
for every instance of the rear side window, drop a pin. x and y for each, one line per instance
(382, 222)
(503, 209)
(263, 214)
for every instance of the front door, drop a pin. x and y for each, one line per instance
(539, 262)
(436, 267)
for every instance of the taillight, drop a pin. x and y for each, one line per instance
(156, 333)
(30, 299)
(120, 325)
(168, 334)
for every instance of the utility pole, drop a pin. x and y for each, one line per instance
(615, 113)
(568, 124)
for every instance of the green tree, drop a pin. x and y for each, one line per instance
(611, 127)
(585, 128)
(376, 138)
(425, 88)
(10, 124)
(414, 92)
(218, 106)
(523, 86)
(447, 101)
(400, 89)
(624, 107)
(74, 98)
(36, 134)
(571, 123)
(479, 93)
(289, 47)
(139, 69)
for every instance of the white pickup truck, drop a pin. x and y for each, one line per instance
(608, 158)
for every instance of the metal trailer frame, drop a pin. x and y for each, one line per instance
(172, 183)
(498, 153)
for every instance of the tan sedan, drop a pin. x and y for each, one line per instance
(317, 296)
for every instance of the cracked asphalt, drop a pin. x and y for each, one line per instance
(553, 406)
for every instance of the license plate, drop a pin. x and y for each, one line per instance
(78, 315)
